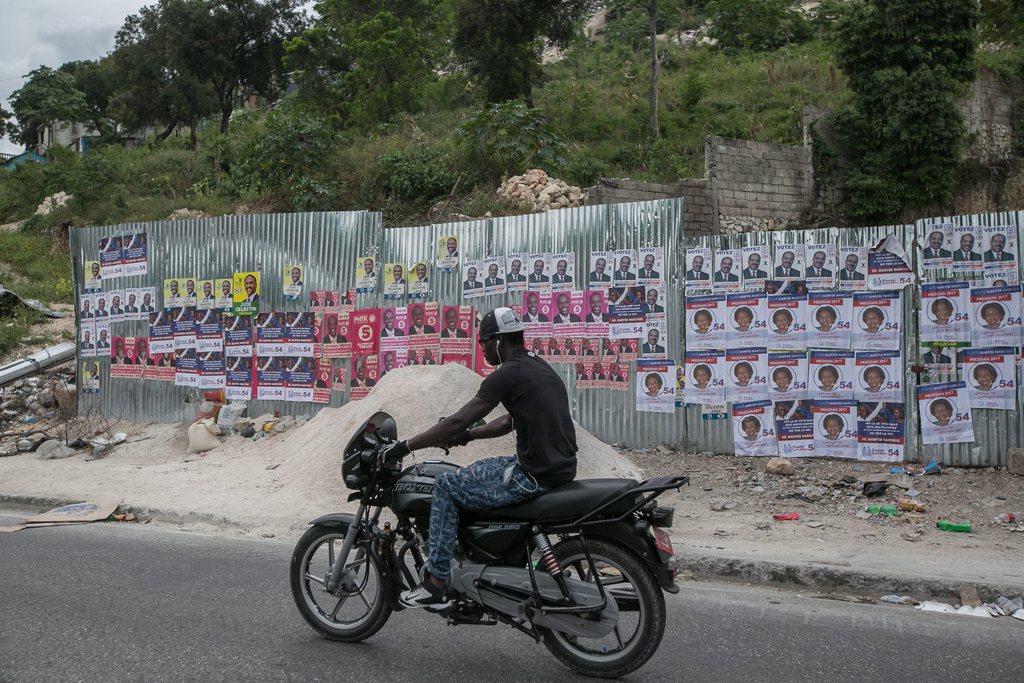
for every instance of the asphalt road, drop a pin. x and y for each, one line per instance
(122, 602)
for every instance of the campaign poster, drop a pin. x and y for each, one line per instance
(93, 277)
(332, 335)
(787, 375)
(472, 279)
(590, 349)
(366, 274)
(323, 380)
(536, 314)
(122, 357)
(626, 312)
(706, 325)
(145, 300)
(596, 319)
(395, 281)
(292, 278)
(698, 265)
(538, 345)
(186, 368)
(299, 377)
(789, 262)
(224, 292)
(787, 322)
(831, 374)
(829, 315)
(173, 294)
(756, 264)
(940, 358)
(515, 272)
(238, 379)
(835, 428)
(794, 428)
(753, 425)
(568, 318)
(966, 245)
(419, 280)
(727, 270)
(103, 338)
(457, 333)
(937, 246)
(588, 374)
(564, 277)
(652, 267)
(881, 431)
(629, 349)
(655, 336)
(210, 332)
(102, 309)
(995, 316)
(654, 302)
(212, 370)
(879, 376)
(301, 333)
(424, 322)
(888, 267)
(945, 410)
(448, 253)
(364, 331)
(344, 300)
(111, 257)
(706, 374)
(991, 377)
(238, 340)
(945, 311)
(618, 377)
(138, 352)
(190, 297)
(90, 377)
(339, 377)
(161, 332)
(183, 326)
(877, 320)
(748, 374)
(116, 305)
(271, 334)
(539, 277)
(853, 272)
(490, 270)
(166, 370)
(245, 293)
(1000, 255)
(625, 267)
(135, 252)
(270, 378)
(655, 386)
(747, 319)
(317, 302)
(86, 308)
(601, 266)
(207, 298)
(394, 323)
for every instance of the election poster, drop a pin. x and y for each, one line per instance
(317, 300)
(794, 428)
(821, 269)
(879, 376)
(600, 275)
(967, 249)
(190, 297)
(831, 374)
(889, 265)
(563, 279)
(186, 368)
(626, 312)
(366, 274)
(945, 311)
(86, 308)
(515, 273)
(727, 270)
(655, 338)
(625, 267)
(183, 325)
(536, 315)
(392, 360)
(652, 267)
(424, 321)
(945, 410)
(654, 302)
(490, 270)
(323, 383)
(394, 281)
(748, 374)
(747, 319)
(111, 258)
(93, 277)
(835, 428)
(394, 323)
(568, 318)
(539, 278)
(271, 382)
(655, 386)
(209, 332)
(121, 354)
(135, 251)
(225, 301)
(339, 377)
(877, 320)
(301, 333)
(472, 279)
(238, 380)
(172, 293)
(299, 377)
(936, 246)
(706, 321)
(991, 377)
(238, 340)
(271, 334)
(90, 377)
(331, 339)
(756, 264)
(881, 431)
(293, 277)
(698, 264)
(618, 377)
(116, 305)
(419, 281)
(940, 358)
(207, 298)
(211, 370)
(589, 374)
(1000, 255)
(789, 262)
(364, 331)
(102, 310)
(996, 316)
(245, 289)
(753, 426)
(161, 333)
(102, 338)
(706, 374)
(448, 253)
(457, 333)
(347, 302)
(596, 320)
(145, 301)
(787, 375)
(853, 275)
(829, 315)
(787, 322)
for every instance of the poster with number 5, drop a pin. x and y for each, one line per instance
(945, 410)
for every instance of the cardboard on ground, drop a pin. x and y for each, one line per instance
(89, 511)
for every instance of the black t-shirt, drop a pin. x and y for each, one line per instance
(535, 397)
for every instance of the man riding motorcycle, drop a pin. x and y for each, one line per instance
(538, 409)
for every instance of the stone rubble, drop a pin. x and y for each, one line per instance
(541, 192)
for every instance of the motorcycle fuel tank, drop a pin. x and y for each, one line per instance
(411, 494)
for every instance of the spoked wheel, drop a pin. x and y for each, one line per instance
(641, 611)
(349, 614)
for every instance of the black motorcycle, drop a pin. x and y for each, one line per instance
(593, 597)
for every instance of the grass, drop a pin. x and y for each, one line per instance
(36, 267)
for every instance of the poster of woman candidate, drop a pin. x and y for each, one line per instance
(706, 321)
(753, 427)
(991, 377)
(945, 312)
(748, 374)
(831, 374)
(879, 376)
(747, 319)
(787, 322)
(945, 410)
(828, 318)
(705, 376)
(787, 375)
(996, 316)
(835, 428)
(655, 386)
(877, 320)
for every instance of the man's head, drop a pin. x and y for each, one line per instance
(818, 260)
(652, 296)
(648, 261)
(451, 318)
(388, 316)
(966, 242)
(94, 268)
(563, 304)
(249, 284)
(599, 266)
(998, 242)
(935, 240)
(421, 271)
(624, 263)
(389, 360)
(754, 261)
(173, 287)
(516, 266)
(103, 337)
(416, 315)
(726, 265)
(596, 303)
(101, 303)
(471, 274)
(396, 273)
(115, 301)
(296, 274)
(368, 266)
(652, 336)
(86, 304)
(131, 299)
(331, 323)
(697, 263)
(538, 267)
(851, 262)
(86, 335)
(225, 288)
(492, 270)
(532, 302)
(501, 333)
(190, 287)
(787, 259)
(561, 267)
(452, 245)
(141, 347)
(146, 299)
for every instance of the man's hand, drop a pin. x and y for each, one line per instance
(457, 440)
(393, 453)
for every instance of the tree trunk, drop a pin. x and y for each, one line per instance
(652, 102)
(225, 119)
(167, 133)
(193, 129)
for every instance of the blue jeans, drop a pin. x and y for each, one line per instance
(475, 487)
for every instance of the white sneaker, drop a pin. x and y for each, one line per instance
(424, 595)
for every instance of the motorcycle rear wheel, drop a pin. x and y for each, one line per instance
(331, 614)
(631, 584)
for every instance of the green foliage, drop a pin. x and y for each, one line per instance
(509, 138)
(419, 173)
(34, 267)
(47, 95)
(628, 20)
(759, 25)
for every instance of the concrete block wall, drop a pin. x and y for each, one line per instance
(699, 213)
(759, 180)
(988, 116)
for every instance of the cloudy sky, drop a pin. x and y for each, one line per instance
(51, 32)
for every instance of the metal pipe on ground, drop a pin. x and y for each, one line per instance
(36, 363)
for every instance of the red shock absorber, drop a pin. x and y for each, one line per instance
(548, 561)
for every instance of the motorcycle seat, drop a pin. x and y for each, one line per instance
(563, 502)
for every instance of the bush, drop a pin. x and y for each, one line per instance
(757, 25)
(508, 138)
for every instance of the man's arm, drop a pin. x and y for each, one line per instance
(493, 429)
(453, 425)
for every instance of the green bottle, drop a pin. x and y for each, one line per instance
(889, 510)
(947, 525)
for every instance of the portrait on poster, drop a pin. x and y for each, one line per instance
(995, 316)
(135, 250)
(600, 276)
(1000, 255)
(966, 242)
(853, 262)
(821, 267)
(757, 266)
(207, 299)
(789, 262)
(787, 322)
(564, 276)
(111, 257)
(366, 274)
(539, 278)
(877, 320)
(831, 374)
(747, 319)
(794, 428)
(940, 358)
(225, 294)
(494, 280)
(655, 386)
(879, 376)
(829, 315)
(835, 428)
(448, 253)
(991, 377)
(293, 279)
(246, 293)
(706, 321)
(516, 272)
(655, 336)
(881, 431)
(727, 270)
(945, 411)
(395, 281)
(754, 428)
(419, 280)
(936, 246)
(93, 277)
(945, 312)
(472, 280)
(652, 268)
(625, 267)
(705, 377)
(698, 266)
(787, 375)
(748, 374)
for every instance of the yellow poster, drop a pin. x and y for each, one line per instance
(246, 293)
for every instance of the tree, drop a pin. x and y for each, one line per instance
(500, 41)
(96, 81)
(48, 95)
(905, 61)
(756, 24)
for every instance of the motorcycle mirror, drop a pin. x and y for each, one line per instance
(380, 427)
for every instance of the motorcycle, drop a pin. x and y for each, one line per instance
(593, 597)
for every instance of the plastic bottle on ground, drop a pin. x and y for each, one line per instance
(1008, 517)
(947, 525)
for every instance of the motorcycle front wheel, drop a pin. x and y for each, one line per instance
(348, 614)
(641, 611)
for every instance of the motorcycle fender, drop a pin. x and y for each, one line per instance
(641, 544)
(335, 520)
